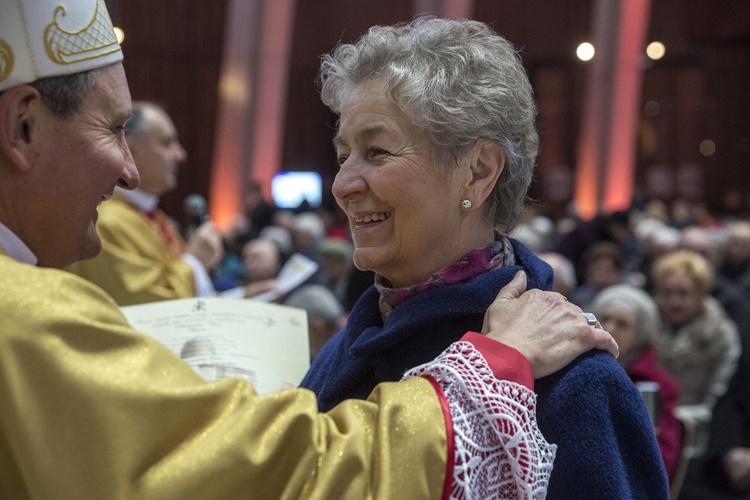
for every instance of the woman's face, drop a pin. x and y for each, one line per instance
(621, 324)
(405, 215)
(678, 299)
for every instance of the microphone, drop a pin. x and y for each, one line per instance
(195, 208)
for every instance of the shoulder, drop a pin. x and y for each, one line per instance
(117, 213)
(593, 382)
(598, 419)
(39, 294)
(539, 273)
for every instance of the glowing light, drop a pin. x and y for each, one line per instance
(120, 34)
(707, 147)
(651, 108)
(585, 51)
(655, 50)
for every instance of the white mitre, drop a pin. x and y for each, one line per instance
(42, 38)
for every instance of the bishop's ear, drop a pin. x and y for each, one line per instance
(487, 163)
(20, 109)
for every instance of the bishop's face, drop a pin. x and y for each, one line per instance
(80, 160)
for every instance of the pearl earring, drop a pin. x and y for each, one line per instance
(466, 204)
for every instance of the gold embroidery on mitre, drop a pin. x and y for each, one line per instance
(6, 60)
(96, 39)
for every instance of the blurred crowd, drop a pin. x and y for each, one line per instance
(672, 285)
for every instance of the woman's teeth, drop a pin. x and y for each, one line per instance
(371, 218)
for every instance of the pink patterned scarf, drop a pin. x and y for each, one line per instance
(498, 254)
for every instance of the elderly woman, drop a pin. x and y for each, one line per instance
(632, 318)
(436, 145)
(698, 344)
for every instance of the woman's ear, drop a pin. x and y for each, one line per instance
(19, 110)
(487, 161)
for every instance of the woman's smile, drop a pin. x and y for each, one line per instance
(370, 218)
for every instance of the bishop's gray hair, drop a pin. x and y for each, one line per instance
(460, 82)
(65, 95)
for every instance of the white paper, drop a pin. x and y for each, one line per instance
(266, 344)
(296, 271)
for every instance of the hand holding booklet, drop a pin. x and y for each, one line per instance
(266, 344)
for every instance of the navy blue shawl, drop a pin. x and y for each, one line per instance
(591, 410)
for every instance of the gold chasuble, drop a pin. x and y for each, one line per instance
(94, 410)
(140, 258)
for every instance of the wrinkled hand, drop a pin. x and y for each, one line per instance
(547, 329)
(737, 467)
(205, 244)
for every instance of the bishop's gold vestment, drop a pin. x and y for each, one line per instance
(137, 264)
(91, 409)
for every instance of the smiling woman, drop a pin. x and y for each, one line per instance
(436, 144)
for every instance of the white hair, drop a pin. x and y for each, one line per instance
(635, 300)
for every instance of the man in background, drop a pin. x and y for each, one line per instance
(144, 258)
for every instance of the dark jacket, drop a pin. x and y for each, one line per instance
(591, 409)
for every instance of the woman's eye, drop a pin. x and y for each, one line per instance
(377, 152)
(341, 159)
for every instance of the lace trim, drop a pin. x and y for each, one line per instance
(499, 450)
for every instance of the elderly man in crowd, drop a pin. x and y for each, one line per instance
(144, 258)
(93, 409)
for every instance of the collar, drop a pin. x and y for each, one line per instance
(15, 248)
(143, 201)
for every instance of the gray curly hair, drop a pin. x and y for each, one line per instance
(461, 83)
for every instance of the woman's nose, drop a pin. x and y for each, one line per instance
(348, 182)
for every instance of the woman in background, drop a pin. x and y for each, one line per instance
(698, 343)
(632, 318)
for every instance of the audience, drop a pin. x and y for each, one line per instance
(736, 263)
(308, 231)
(603, 266)
(563, 271)
(263, 260)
